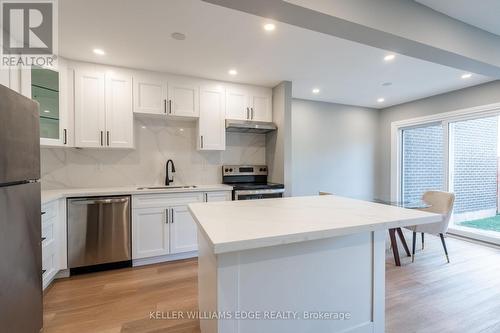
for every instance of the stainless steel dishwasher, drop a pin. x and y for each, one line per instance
(99, 235)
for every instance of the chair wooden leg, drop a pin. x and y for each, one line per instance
(413, 246)
(444, 247)
(394, 245)
(422, 240)
(403, 241)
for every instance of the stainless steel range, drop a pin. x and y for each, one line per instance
(250, 182)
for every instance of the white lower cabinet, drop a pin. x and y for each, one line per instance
(150, 232)
(163, 227)
(218, 196)
(162, 224)
(53, 240)
(183, 230)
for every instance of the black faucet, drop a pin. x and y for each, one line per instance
(167, 178)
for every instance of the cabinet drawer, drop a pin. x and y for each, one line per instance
(49, 210)
(47, 232)
(162, 200)
(48, 267)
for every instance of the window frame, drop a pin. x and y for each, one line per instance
(444, 119)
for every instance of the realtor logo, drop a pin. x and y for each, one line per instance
(28, 32)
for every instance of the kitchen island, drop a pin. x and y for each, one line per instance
(301, 264)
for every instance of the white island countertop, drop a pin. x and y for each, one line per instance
(50, 195)
(248, 224)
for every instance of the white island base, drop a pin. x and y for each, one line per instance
(317, 261)
(341, 277)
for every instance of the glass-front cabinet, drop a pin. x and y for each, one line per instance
(46, 88)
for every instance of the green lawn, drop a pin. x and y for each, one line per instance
(489, 223)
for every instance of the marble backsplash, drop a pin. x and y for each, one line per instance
(156, 141)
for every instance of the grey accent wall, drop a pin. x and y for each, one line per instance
(488, 93)
(333, 149)
(278, 143)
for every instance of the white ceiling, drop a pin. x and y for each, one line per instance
(483, 14)
(137, 34)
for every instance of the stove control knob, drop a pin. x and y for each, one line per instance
(231, 170)
(226, 170)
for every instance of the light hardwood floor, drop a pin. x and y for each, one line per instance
(426, 296)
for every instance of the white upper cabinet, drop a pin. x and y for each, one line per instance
(183, 100)
(249, 103)
(5, 78)
(119, 115)
(237, 104)
(103, 109)
(156, 95)
(49, 87)
(211, 125)
(150, 94)
(261, 105)
(90, 117)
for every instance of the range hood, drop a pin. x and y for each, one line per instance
(249, 126)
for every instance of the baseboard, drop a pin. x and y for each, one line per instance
(63, 273)
(168, 257)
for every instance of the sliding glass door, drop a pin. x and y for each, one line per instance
(460, 155)
(473, 174)
(422, 161)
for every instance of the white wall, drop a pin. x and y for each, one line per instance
(278, 143)
(157, 140)
(465, 98)
(333, 149)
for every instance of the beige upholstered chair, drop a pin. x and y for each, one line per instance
(440, 203)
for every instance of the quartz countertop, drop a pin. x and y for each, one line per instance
(248, 224)
(50, 195)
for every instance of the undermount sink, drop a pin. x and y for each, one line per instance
(166, 187)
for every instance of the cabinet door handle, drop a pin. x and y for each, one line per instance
(248, 113)
(165, 106)
(252, 112)
(102, 140)
(107, 137)
(65, 135)
(202, 141)
(172, 218)
(206, 197)
(167, 216)
(170, 106)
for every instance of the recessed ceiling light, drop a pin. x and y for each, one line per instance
(381, 100)
(269, 27)
(389, 57)
(315, 91)
(233, 72)
(178, 36)
(466, 76)
(99, 52)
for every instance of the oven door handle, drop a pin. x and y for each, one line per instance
(238, 193)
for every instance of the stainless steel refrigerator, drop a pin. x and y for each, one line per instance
(20, 220)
